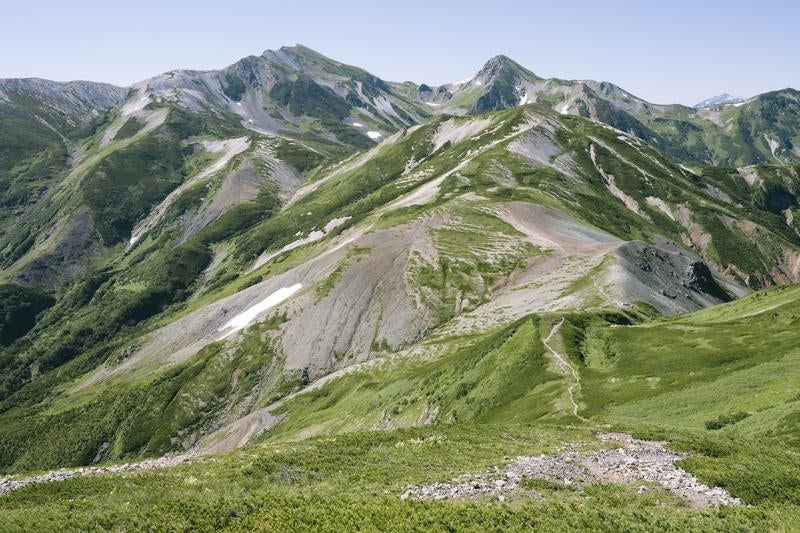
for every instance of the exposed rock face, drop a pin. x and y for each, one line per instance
(699, 278)
(372, 302)
(666, 276)
(634, 461)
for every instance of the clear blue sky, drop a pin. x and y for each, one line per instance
(676, 51)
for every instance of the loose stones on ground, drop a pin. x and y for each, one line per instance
(7, 485)
(634, 461)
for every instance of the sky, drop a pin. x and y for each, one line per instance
(666, 52)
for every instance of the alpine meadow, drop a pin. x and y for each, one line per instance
(289, 295)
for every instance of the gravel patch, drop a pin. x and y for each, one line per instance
(633, 461)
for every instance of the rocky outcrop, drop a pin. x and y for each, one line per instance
(665, 275)
(699, 278)
(73, 101)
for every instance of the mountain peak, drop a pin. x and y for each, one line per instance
(501, 59)
(499, 62)
(298, 48)
(723, 98)
(502, 65)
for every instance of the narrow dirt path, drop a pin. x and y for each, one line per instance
(562, 362)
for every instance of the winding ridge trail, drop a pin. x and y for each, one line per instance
(564, 364)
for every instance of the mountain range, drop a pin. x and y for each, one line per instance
(720, 99)
(292, 248)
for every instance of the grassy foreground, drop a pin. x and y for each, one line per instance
(354, 482)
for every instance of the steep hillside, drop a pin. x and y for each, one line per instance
(730, 370)
(443, 231)
(41, 123)
(738, 441)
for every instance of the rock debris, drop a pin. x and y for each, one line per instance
(633, 461)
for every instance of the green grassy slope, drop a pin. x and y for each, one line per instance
(666, 378)
(104, 318)
(731, 369)
(737, 364)
(354, 482)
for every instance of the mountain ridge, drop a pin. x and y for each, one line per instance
(724, 98)
(516, 179)
(291, 246)
(503, 83)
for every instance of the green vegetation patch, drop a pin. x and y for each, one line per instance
(19, 307)
(354, 482)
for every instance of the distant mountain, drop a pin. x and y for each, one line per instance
(41, 122)
(297, 105)
(310, 110)
(728, 135)
(724, 98)
(292, 90)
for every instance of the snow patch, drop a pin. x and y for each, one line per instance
(358, 125)
(564, 109)
(245, 318)
(374, 135)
